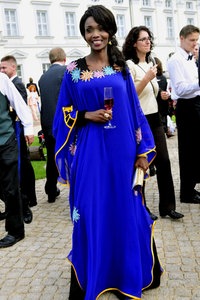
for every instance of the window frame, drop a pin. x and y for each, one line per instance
(168, 3)
(121, 28)
(170, 28)
(71, 27)
(190, 21)
(189, 5)
(44, 32)
(148, 24)
(146, 3)
(10, 22)
(119, 1)
(45, 67)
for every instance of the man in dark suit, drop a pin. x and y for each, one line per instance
(9, 181)
(27, 175)
(49, 85)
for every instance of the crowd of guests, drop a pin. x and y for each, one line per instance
(100, 167)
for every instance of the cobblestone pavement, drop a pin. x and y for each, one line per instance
(36, 267)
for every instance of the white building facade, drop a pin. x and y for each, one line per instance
(30, 28)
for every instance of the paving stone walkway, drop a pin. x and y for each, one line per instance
(36, 268)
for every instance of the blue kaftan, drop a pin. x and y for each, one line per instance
(112, 234)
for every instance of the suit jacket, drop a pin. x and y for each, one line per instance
(49, 85)
(21, 87)
(22, 90)
(163, 105)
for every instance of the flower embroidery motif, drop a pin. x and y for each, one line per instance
(138, 135)
(109, 70)
(72, 149)
(98, 74)
(71, 66)
(75, 215)
(77, 74)
(86, 75)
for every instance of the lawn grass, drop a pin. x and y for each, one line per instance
(40, 165)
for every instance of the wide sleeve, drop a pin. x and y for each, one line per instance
(144, 137)
(63, 130)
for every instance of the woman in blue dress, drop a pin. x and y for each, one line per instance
(112, 242)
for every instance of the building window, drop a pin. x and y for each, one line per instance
(19, 71)
(170, 28)
(45, 67)
(146, 2)
(148, 22)
(120, 26)
(11, 22)
(190, 21)
(70, 23)
(168, 3)
(42, 23)
(189, 5)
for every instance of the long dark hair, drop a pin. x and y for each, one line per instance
(159, 66)
(128, 50)
(106, 19)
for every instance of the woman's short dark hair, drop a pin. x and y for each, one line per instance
(128, 50)
(106, 19)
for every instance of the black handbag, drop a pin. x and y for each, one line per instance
(36, 153)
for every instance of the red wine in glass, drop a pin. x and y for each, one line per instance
(108, 104)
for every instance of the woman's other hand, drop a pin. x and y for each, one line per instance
(142, 163)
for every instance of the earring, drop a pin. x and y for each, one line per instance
(110, 43)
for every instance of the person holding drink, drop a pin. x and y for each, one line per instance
(137, 50)
(113, 247)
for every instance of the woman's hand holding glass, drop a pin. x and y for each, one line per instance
(100, 115)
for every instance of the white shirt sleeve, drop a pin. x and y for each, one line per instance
(183, 77)
(8, 89)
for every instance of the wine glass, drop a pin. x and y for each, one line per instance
(108, 104)
(152, 60)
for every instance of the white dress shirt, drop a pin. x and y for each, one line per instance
(183, 76)
(8, 89)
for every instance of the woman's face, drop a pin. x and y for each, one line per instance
(96, 37)
(196, 51)
(143, 43)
